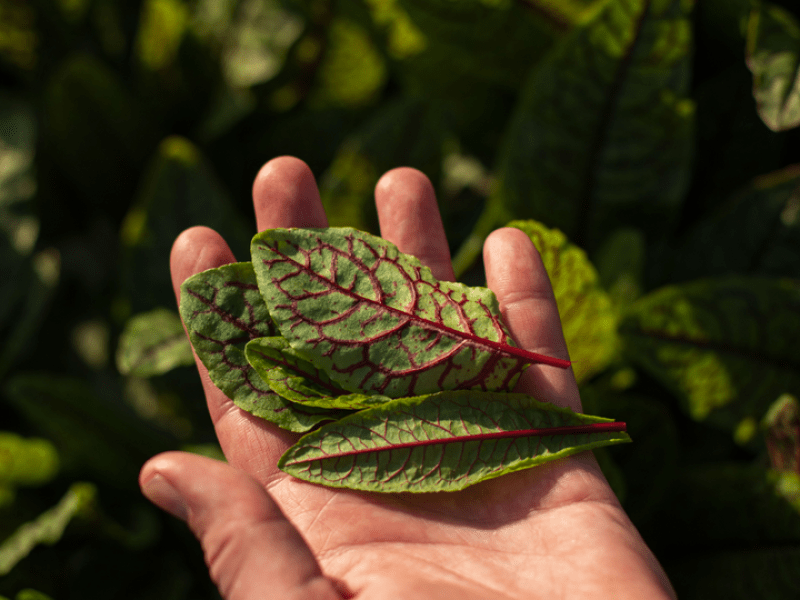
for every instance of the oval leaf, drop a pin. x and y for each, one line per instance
(223, 310)
(727, 347)
(297, 380)
(444, 442)
(153, 343)
(376, 320)
(603, 128)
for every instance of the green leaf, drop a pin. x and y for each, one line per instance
(587, 316)
(409, 131)
(179, 190)
(757, 232)
(153, 343)
(48, 527)
(773, 56)
(223, 310)
(24, 461)
(377, 321)
(744, 535)
(99, 435)
(99, 132)
(725, 346)
(602, 134)
(294, 378)
(444, 442)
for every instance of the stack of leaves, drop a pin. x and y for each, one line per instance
(405, 380)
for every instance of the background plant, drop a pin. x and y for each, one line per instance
(647, 146)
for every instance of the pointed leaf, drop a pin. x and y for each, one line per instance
(773, 56)
(727, 347)
(48, 527)
(587, 316)
(757, 232)
(295, 379)
(377, 321)
(179, 190)
(153, 343)
(223, 310)
(444, 442)
(603, 129)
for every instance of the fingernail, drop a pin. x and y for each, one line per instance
(159, 491)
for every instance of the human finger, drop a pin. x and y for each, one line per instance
(250, 547)
(241, 435)
(516, 274)
(285, 194)
(409, 218)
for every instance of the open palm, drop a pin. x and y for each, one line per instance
(556, 531)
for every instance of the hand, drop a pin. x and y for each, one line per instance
(555, 531)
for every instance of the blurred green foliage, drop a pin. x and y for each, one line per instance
(654, 142)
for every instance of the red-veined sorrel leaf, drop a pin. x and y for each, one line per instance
(376, 320)
(223, 310)
(295, 379)
(444, 442)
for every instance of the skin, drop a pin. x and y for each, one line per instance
(555, 532)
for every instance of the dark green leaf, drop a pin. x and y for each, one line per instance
(91, 433)
(223, 310)
(179, 190)
(727, 347)
(444, 442)
(757, 232)
(407, 132)
(153, 343)
(47, 528)
(602, 134)
(100, 134)
(587, 317)
(773, 56)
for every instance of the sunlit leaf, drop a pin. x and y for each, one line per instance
(153, 343)
(48, 527)
(223, 310)
(602, 134)
(377, 321)
(587, 317)
(445, 441)
(773, 56)
(26, 461)
(294, 378)
(725, 346)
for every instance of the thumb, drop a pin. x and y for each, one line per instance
(251, 549)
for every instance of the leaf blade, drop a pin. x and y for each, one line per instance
(376, 320)
(443, 442)
(725, 346)
(297, 380)
(223, 310)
